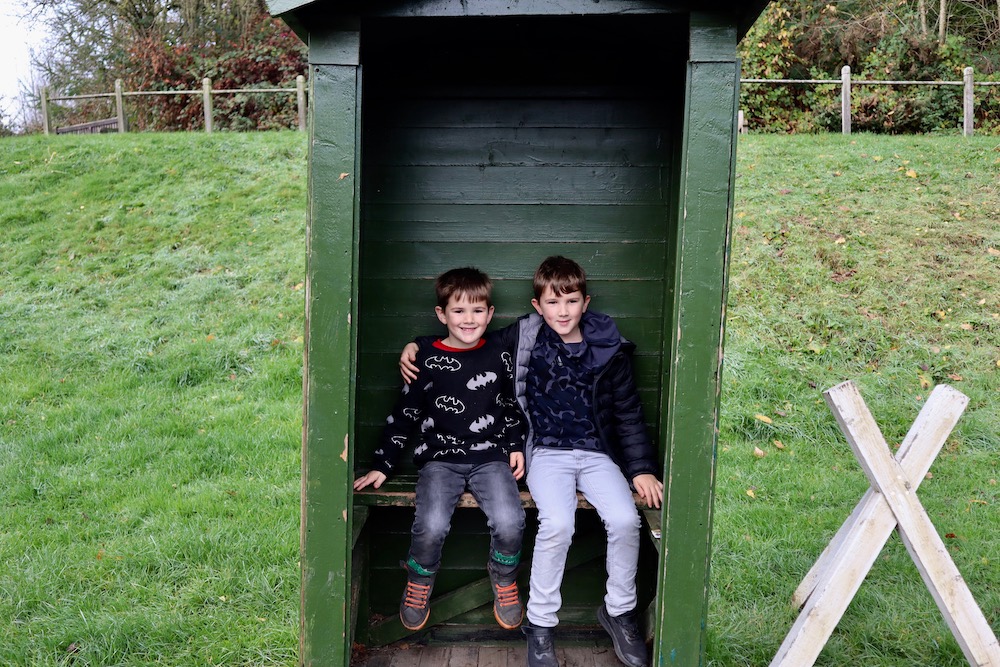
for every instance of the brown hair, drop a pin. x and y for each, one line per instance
(473, 283)
(563, 275)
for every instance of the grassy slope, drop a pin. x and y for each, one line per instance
(150, 327)
(150, 323)
(872, 259)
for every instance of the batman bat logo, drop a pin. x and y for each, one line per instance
(398, 440)
(406, 389)
(443, 363)
(448, 440)
(390, 420)
(482, 446)
(449, 404)
(412, 413)
(505, 401)
(508, 363)
(481, 424)
(420, 450)
(379, 452)
(480, 380)
(448, 452)
(510, 421)
(427, 423)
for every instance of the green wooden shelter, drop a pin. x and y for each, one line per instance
(494, 133)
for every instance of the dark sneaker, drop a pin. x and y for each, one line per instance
(541, 649)
(630, 647)
(414, 607)
(507, 607)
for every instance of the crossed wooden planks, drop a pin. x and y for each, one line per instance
(890, 502)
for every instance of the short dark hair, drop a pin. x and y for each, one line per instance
(563, 275)
(473, 283)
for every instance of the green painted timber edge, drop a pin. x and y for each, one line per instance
(330, 367)
(695, 366)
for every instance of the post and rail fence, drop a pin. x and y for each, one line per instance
(845, 82)
(118, 122)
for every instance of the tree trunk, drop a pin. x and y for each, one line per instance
(942, 22)
(922, 15)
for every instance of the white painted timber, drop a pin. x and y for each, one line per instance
(831, 584)
(917, 452)
(927, 549)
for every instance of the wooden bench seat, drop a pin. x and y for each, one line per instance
(401, 493)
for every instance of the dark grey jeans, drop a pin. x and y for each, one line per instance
(439, 486)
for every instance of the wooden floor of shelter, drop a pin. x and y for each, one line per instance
(415, 655)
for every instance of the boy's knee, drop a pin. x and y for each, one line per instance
(556, 528)
(622, 524)
(508, 528)
(433, 528)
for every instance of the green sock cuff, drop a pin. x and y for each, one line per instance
(506, 560)
(419, 569)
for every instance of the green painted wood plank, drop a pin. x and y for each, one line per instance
(359, 568)
(463, 116)
(599, 260)
(330, 369)
(337, 43)
(636, 222)
(691, 402)
(537, 185)
(358, 523)
(428, 260)
(520, 147)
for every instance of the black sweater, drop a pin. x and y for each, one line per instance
(460, 409)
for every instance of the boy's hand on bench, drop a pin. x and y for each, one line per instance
(407, 366)
(649, 489)
(517, 464)
(374, 477)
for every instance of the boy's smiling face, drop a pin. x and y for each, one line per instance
(466, 321)
(562, 312)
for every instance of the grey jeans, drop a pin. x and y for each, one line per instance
(439, 486)
(554, 477)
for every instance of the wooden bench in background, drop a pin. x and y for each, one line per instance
(93, 127)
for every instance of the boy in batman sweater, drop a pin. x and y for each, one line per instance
(471, 434)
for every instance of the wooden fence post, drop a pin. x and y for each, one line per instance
(845, 99)
(300, 96)
(44, 96)
(120, 107)
(206, 94)
(968, 107)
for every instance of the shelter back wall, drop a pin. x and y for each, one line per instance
(540, 156)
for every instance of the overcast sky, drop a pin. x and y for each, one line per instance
(16, 38)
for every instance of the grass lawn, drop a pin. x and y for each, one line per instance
(150, 390)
